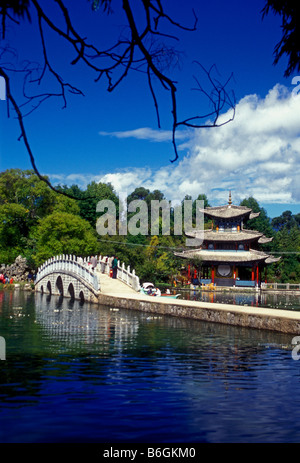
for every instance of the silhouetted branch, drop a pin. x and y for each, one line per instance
(138, 49)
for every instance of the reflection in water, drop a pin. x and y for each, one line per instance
(86, 373)
(278, 300)
(78, 323)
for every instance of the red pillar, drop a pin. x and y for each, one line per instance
(252, 274)
(257, 275)
(212, 274)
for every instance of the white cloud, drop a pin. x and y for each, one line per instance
(146, 133)
(257, 154)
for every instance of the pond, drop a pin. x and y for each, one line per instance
(275, 300)
(88, 373)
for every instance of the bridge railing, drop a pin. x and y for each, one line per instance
(124, 273)
(69, 264)
(81, 267)
(281, 286)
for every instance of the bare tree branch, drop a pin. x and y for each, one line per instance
(139, 49)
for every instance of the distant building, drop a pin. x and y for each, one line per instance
(229, 255)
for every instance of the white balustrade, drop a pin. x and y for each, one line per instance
(78, 266)
(68, 264)
(123, 274)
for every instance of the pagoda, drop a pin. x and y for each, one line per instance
(229, 255)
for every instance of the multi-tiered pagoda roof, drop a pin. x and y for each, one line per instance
(228, 242)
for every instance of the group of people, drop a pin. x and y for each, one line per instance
(5, 279)
(113, 262)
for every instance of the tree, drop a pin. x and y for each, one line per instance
(201, 197)
(289, 45)
(63, 233)
(261, 223)
(286, 219)
(90, 197)
(14, 228)
(146, 45)
(24, 187)
(287, 244)
(24, 200)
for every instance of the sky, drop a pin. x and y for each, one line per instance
(114, 137)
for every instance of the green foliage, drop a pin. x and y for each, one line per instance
(286, 219)
(90, 197)
(38, 223)
(14, 226)
(26, 189)
(261, 223)
(63, 233)
(287, 244)
(285, 231)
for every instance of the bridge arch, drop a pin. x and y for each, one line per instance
(71, 291)
(68, 276)
(81, 296)
(59, 285)
(49, 288)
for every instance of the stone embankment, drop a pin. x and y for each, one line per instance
(19, 270)
(119, 296)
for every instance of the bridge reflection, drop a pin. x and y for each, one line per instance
(82, 323)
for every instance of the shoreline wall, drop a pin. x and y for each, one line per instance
(258, 318)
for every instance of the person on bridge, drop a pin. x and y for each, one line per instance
(94, 262)
(115, 266)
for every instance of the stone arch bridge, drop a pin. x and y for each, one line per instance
(73, 277)
(68, 276)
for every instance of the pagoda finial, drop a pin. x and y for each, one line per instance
(229, 201)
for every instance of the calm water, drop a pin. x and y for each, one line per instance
(252, 298)
(92, 374)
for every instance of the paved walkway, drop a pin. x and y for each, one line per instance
(115, 293)
(111, 286)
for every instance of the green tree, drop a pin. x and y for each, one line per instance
(25, 188)
(13, 231)
(63, 233)
(262, 223)
(287, 244)
(89, 198)
(201, 197)
(286, 219)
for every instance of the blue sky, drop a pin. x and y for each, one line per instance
(114, 136)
